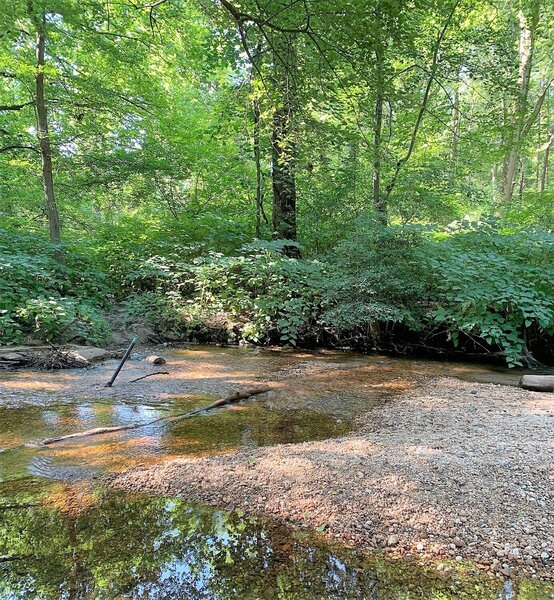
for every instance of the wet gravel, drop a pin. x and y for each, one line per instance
(447, 471)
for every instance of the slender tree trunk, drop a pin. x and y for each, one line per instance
(521, 181)
(379, 200)
(283, 144)
(44, 141)
(527, 27)
(260, 213)
(352, 170)
(494, 181)
(256, 115)
(538, 153)
(455, 125)
(401, 162)
(545, 160)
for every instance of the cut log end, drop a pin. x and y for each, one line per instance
(156, 360)
(537, 383)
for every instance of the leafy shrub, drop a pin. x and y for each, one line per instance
(376, 278)
(486, 282)
(163, 312)
(272, 296)
(494, 285)
(260, 293)
(38, 297)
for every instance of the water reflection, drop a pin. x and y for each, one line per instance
(121, 546)
(84, 542)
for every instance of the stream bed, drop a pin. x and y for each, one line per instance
(64, 535)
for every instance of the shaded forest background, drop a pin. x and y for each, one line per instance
(368, 174)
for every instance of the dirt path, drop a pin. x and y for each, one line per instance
(449, 469)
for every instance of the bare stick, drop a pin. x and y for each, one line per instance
(149, 375)
(123, 361)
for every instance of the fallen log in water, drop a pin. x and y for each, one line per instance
(537, 383)
(99, 430)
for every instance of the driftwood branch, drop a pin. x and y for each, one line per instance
(99, 430)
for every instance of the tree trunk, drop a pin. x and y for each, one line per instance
(494, 181)
(545, 160)
(527, 27)
(521, 181)
(283, 146)
(44, 142)
(283, 177)
(379, 200)
(538, 153)
(455, 124)
(351, 171)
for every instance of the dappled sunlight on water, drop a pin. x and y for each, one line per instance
(313, 396)
(249, 425)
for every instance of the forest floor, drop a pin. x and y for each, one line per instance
(448, 470)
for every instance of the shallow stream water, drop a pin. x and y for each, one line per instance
(64, 536)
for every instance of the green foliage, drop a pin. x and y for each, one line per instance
(496, 286)
(163, 312)
(41, 299)
(486, 284)
(162, 127)
(376, 277)
(274, 297)
(260, 292)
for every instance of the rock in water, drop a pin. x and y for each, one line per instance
(13, 357)
(88, 354)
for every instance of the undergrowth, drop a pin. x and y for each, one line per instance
(485, 287)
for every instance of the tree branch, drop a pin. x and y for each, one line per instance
(18, 147)
(4, 107)
(422, 109)
(241, 17)
(535, 113)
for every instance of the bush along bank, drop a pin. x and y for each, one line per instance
(469, 289)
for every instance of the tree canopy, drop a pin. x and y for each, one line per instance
(153, 142)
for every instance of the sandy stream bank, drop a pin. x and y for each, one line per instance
(449, 470)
